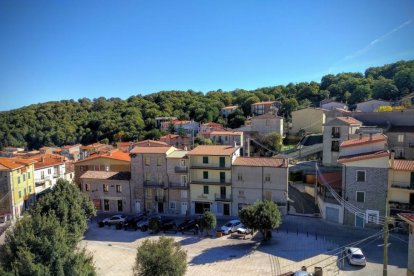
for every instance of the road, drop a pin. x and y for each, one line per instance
(302, 202)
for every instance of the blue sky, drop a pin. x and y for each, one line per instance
(54, 50)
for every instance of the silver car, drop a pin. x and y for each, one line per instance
(355, 256)
(231, 226)
(115, 219)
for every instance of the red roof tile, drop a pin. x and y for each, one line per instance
(403, 165)
(349, 120)
(113, 154)
(150, 150)
(151, 143)
(364, 156)
(364, 140)
(216, 150)
(261, 162)
(408, 217)
(268, 102)
(169, 136)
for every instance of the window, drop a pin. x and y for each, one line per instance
(360, 176)
(107, 168)
(24, 191)
(147, 161)
(205, 175)
(87, 188)
(118, 189)
(240, 177)
(205, 190)
(400, 138)
(173, 205)
(360, 197)
(241, 193)
(147, 177)
(267, 177)
(225, 138)
(20, 194)
(159, 161)
(18, 180)
(372, 216)
(120, 207)
(105, 188)
(335, 146)
(30, 189)
(184, 194)
(42, 175)
(28, 175)
(106, 204)
(268, 195)
(49, 171)
(205, 159)
(24, 177)
(335, 132)
(159, 178)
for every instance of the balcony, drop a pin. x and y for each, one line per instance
(335, 135)
(202, 182)
(395, 205)
(181, 169)
(221, 197)
(180, 186)
(154, 184)
(402, 185)
(411, 145)
(210, 167)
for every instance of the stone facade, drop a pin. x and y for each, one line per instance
(178, 184)
(374, 188)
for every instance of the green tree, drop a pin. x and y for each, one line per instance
(163, 257)
(385, 89)
(274, 141)
(208, 221)
(263, 216)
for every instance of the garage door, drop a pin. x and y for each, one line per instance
(332, 214)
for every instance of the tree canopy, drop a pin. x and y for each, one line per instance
(111, 120)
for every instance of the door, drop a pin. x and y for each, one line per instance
(222, 192)
(332, 214)
(160, 207)
(412, 199)
(120, 209)
(222, 177)
(137, 206)
(359, 220)
(226, 209)
(184, 207)
(412, 180)
(222, 161)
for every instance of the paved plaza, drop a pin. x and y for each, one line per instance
(114, 251)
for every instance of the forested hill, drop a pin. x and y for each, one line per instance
(86, 121)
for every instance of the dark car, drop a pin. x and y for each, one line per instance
(131, 222)
(168, 225)
(189, 225)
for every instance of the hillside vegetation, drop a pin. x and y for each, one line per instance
(86, 121)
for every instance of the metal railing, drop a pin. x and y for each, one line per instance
(181, 169)
(222, 197)
(402, 185)
(179, 185)
(149, 183)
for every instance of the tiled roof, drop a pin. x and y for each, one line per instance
(230, 107)
(149, 150)
(178, 154)
(71, 146)
(94, 145)
(363, 156)
(403, 165)
(113, 154)
(213, 150)
(261, 162)
(48, 162)
(334, 179)
(364, 140)
(268, 102)
(169, 136)
(178, 122)
(212, 124)
(151, 143)
(14, 163)
(106, 175)
(225, 132)
(123, 144)
(343, 120)
(408, 217)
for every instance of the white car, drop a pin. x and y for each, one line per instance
(355, 256)
(115, 219)
(244, 230)
(231, 226)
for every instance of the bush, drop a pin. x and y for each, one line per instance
(154, 225)
(208, 221)
(160, 257)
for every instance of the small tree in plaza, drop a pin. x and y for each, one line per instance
(160, 257)
(262, 216)
(208, 221)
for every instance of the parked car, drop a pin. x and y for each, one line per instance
(231, 226)
(144, 223)
(168, 225)
(189, 225)
(132, 221)
(355, 256)
(244, 230)
(115, 219)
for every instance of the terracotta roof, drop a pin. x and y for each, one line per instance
(363, 156)
(213, 150)
(178, 122)
(225, 132)
(403, 165)
(154, 150)
(123, 144)
(48, 162)
(71, 146)
(151, 143)
(334, 179)
(408, 217)
(364, 140)
(113, 154)
(106, 175)
(343, 120)
(268, 102)
(230, 107)
(94, 145)
(169, 136)
(213, 124)
(14, 163)
(261, 162)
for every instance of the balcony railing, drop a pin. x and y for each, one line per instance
(210, 167)
(175, 185)
(202, 182)
(181, 169)
(401, 206)
(148, 183)
(221, 197)
(402, 185)
(336, 135)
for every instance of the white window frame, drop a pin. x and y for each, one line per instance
(184, 194)
(356, 196)
(365, 175)
(368, 213)
(173, 205)
(400, 138)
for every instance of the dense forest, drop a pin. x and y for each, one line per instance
(86, 121)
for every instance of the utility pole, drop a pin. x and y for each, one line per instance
(384, 269)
